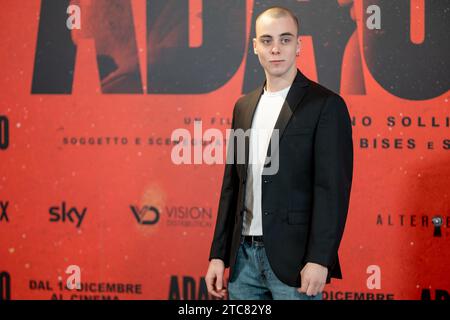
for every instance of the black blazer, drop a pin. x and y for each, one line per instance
(305, 203)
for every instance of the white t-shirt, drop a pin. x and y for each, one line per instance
(264, 120)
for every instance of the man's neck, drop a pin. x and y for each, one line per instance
(279, 83)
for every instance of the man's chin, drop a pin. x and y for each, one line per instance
(275, 72)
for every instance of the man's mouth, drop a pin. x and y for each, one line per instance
(276, 61)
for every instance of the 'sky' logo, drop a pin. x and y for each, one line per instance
(64, 213)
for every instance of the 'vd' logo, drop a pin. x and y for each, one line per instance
(146, 215)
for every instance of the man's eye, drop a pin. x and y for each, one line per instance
(285, 40)
(266, 41)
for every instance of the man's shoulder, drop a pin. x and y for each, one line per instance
(244, 99)
(316, 89)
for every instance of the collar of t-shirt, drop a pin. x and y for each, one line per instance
(279, 93)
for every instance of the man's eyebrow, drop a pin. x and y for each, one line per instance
(281, 35)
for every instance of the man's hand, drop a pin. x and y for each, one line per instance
(214, 278)
(313, 277)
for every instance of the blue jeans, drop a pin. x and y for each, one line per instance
(253, 278)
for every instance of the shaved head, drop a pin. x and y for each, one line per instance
(278, 12)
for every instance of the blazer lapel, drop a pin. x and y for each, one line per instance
(295, 95)
(293, 99)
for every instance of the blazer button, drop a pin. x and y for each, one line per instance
(266, 213)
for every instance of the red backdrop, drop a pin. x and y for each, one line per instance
(100, 143)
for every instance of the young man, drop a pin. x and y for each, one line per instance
(280, 233)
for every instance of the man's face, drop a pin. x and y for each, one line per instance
(276, 44)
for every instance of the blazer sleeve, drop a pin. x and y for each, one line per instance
(221, 244)
(333, 173)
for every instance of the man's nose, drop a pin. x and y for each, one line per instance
(275, 50)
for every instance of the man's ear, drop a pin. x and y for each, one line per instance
(299, 44)
(254, 46)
